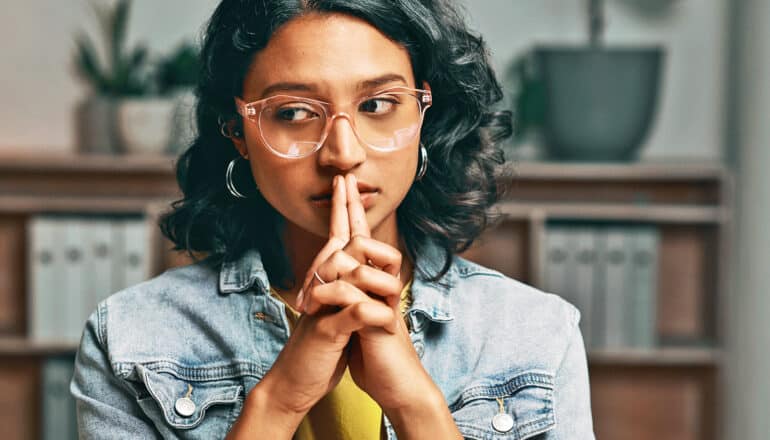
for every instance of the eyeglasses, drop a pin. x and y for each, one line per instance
(295, 127)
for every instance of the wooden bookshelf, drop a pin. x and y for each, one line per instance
(21, 346)
(671, 391)
(678, 384)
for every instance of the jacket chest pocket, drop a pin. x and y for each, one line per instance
(516, 409)
(190, 409)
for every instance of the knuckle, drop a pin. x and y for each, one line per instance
(326, 330)
(358, 312)
(346, 289)
(359, 273)
(338, 256)
(311, 297)
(357, 240)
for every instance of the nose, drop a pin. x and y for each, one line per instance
(341, 149)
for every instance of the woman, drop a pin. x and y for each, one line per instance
(346, 152)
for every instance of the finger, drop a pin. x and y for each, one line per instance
(356, 212)
(375, 253)
(338, 264)
(335, 294)
(338, 223)
(333, 245)
(364, 279)
(329, 270)
(358, 316)
(339, 233)
(376, 282)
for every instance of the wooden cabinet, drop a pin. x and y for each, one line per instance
(667, 392)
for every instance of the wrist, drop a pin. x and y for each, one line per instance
(427, 403)
(264, 417)
(424, 418)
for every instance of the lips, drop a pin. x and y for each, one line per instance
(363, 188)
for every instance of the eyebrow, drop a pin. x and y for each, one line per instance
(305, 87)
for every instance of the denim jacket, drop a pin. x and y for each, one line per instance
(175, 356)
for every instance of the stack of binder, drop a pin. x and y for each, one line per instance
(609, 272)
(74, 263)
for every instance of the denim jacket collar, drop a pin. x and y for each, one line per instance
(431, 299)
(239, 275)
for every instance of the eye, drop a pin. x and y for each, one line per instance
(295, 113)
(379, 105)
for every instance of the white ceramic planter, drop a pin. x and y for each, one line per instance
(144, 125)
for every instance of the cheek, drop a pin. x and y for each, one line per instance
(276, 184)
(284, 187)
(399, 173)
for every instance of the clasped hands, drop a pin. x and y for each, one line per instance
(352, 319)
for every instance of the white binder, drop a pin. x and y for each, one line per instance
(642, 301)
(45, 274)
(75, 285)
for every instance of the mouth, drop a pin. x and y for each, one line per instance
(363, 189)
(368, 197)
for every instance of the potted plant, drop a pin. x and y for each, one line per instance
(121, 114)
(590, 103)
(119, 76)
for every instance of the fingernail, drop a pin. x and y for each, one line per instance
(298, 301)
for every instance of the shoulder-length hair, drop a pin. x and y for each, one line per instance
(449, 206)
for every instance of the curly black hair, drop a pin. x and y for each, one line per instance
(449, 206)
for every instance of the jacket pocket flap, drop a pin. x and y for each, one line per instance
(518, 408)
(184, 403)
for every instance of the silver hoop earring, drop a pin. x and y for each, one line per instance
(224, 130)
(422, 162)
(229, 180)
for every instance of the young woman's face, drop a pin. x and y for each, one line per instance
(338, 59)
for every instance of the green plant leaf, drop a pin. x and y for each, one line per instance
(124, 72)
(179, 69)
(138, 57)
(119, 24)
(87, 63)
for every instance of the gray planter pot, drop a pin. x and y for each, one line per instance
(599, 102)
(95, 127)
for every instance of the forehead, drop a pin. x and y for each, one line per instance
(330, 51)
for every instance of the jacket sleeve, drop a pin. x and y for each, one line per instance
(106, 408)
(572, 395)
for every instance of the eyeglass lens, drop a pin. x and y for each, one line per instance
(294, 127)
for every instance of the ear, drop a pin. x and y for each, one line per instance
(237, 137)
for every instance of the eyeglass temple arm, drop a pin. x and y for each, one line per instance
(243, 109)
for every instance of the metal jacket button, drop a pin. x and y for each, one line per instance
(184, 406)
(502, 422)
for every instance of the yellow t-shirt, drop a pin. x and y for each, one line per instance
(347, 412)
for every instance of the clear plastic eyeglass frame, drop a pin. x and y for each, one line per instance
(253, 110)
